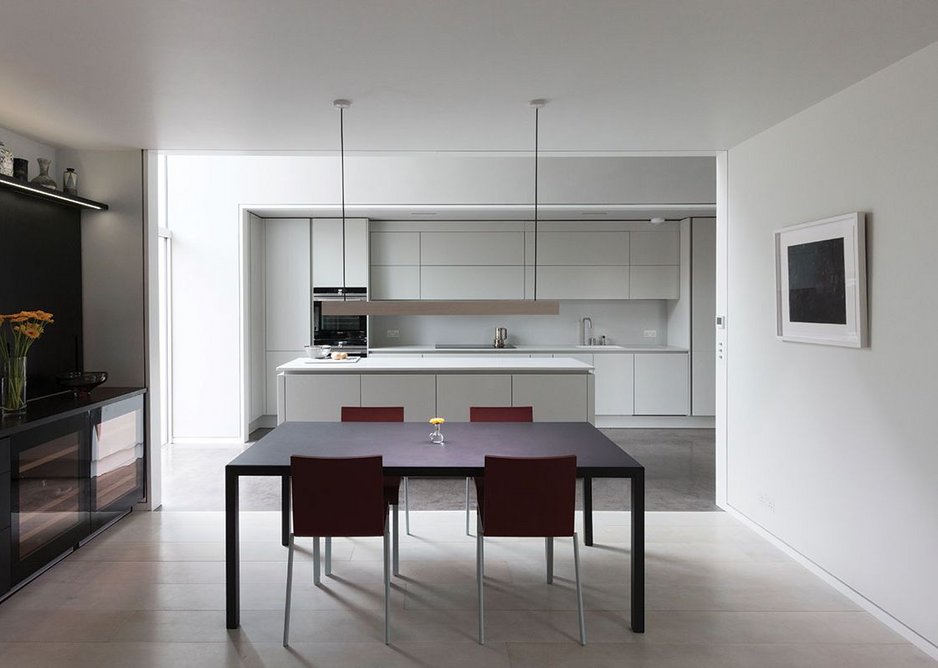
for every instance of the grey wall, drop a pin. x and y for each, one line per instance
(112, 263)
(834, 450)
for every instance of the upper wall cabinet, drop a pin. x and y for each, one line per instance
(472, 248)
(328, 259)
(582, 248)
(622, 260)
(655, 264)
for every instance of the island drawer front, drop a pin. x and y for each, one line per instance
(4, 455)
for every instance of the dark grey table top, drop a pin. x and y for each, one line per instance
(407, 450)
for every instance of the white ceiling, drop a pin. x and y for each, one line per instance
(620, 75)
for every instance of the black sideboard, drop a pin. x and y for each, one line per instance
(68, 467)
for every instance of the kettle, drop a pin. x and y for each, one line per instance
(501, 333)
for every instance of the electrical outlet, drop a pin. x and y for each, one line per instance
(394, 333)
(651, 333)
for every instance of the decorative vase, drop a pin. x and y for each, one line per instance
(44, 179)
(6, 160)
(13, 388)
(70, 182)
(21, 169)
(436, 436)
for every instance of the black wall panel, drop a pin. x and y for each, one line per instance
(40, 268)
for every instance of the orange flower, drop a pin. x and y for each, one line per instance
(31, 330)
(22, 316)
(43, 316)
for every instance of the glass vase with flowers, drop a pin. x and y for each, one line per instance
(18, 332)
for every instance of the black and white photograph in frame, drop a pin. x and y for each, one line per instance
(820, 274)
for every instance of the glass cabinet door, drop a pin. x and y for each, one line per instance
(47, 487)
(117, 460)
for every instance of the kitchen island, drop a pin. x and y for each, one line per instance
(559, 389)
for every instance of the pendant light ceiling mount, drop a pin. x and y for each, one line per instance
(341, 103)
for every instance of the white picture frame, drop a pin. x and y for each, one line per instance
(820, 297)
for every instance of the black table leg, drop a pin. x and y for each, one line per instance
(587, 510)
(638, 552)
(285, 510)
(232, 556)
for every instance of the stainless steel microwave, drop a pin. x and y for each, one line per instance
(341, 331)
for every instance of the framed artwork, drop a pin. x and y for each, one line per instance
(820, 278)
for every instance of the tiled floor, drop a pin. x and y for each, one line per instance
(150, 592)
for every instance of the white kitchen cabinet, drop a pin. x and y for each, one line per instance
(655, 282)
(461, 282)
(327, 247)
(471, 248)
(614, 383)
(587, 248)
(555, 397)
(661, 383)
(655, 247)
(395, 248)
(457, 392)
(394, 282)
(703, 314)
(286, 285)
(320, 397)
(415, 392)
(578, 282)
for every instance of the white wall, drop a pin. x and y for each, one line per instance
(112, 263)
(833, 450)
(205, 192)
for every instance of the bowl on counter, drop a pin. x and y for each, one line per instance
(81, 382)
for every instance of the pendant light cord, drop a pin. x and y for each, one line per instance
(342, 170)
(536, 119)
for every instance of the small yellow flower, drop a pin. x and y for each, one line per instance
(437, 420)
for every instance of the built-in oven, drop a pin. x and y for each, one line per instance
(348, 332)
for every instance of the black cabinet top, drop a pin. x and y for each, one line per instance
(49, 409)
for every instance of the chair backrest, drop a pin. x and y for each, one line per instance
(338, 496)
(372, 414)
(529, 496)
(501, 414)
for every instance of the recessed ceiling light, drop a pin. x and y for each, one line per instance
(657, 220)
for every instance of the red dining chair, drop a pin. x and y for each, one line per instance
(496, 414)
(337, 497)
(528, 496)
(392, 483)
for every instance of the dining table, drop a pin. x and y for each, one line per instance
(406, 450)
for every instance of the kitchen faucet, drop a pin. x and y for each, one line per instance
(584, 339)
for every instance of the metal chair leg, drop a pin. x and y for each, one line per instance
(396, 542)
(387, 587)
(286, 611)
(328, 559)
(316, 578)
(480, 576)
(579, 590)
(468, 533)
(549, 554)
(407, 505)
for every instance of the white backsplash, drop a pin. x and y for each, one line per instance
(623, 322)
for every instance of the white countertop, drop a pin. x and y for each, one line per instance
(560, 348)
(439, 364)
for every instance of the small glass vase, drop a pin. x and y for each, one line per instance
(436, 436)
(13, 389)
(44, 179)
